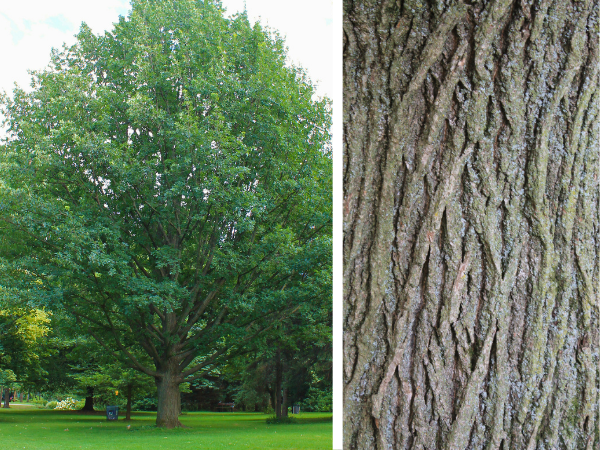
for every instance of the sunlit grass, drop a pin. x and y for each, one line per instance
(28, 428)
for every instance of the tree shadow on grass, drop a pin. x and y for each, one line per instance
(313, 419)
(56, 416)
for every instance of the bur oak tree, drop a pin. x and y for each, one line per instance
(172, 179)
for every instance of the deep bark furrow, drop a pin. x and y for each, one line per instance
(471, 233)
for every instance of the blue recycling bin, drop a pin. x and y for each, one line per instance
(112, 413)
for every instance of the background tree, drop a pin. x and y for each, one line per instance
(289, 364)
(96, 375)
(172, 179)
(22, 347)
(112, 384)
(86, 368)
(471, 251)
(65, 354)
(8, 380)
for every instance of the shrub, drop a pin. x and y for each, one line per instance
(145, 404)
(274, 420)
(51, 405)
(68, 404)
(318, 400)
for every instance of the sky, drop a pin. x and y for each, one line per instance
(29, 29)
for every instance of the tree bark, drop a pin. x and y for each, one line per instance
(6, 398)
(284, 403)
(278, 384)
(272, 397)
(471, 225)
(128, 409)
(169, 397)
(89, 400)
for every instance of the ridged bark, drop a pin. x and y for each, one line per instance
(6, 398)
(89, 400)
(471, 225)
(128, 406)
(168, 395)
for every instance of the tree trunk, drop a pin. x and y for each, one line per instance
(89, 400)
(284, 403)
(169, 397)
(278, 384)
(128, 410)
(471, 225)
(6, 398)
(272, 398)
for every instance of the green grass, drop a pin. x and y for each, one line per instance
(24, 427)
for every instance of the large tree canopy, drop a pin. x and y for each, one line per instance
(171, 181)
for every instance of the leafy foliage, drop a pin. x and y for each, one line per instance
(300, 349)
(22, 345)
(168, 185)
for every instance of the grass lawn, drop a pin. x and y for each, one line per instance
(24, 427)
